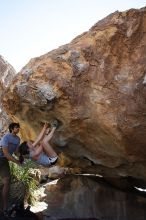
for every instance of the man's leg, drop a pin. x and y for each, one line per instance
(5, 191)
(5, 175)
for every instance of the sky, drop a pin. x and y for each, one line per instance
(31, 28)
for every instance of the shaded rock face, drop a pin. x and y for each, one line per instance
(96, 87)
(7, 73)
(81, 197)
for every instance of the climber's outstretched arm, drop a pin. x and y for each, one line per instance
(41, 135)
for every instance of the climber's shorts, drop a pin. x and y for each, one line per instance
(4, 168)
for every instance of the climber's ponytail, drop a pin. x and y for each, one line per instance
(23, 150)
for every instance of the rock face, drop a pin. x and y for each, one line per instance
(73, 198)
(96, 86)
(7, 73)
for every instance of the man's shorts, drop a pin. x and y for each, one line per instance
(4, 168)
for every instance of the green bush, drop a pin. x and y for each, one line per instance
(21, 173)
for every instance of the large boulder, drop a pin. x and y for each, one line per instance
(96, 86)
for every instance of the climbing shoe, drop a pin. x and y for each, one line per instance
(56, 123)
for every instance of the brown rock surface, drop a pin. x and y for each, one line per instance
(7, 73)
(96, 86)
(82, 197)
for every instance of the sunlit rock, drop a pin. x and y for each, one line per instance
(7, 73)
(96, 86)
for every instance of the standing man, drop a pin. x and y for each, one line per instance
(8, 145)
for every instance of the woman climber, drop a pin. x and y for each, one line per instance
(40, 150)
